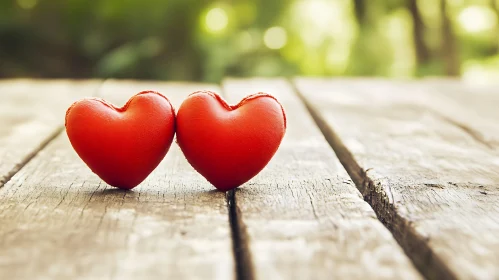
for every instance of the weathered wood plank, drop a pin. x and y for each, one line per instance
(472, 107)
(59, 221)
(31, 114)
(303, 217)
(431, 183)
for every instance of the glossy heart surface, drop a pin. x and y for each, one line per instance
(122, 145)
(226, 144)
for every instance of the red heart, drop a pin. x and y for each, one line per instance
(229, 145)
(122, 145)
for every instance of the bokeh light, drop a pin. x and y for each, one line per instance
(216, 20)
(275, 38)
(208, 40)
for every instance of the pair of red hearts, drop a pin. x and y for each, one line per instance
(226, 144)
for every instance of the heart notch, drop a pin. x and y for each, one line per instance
(226, 144)
(122, 145)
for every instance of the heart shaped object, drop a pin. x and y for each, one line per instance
(122, 145)
(229, 145)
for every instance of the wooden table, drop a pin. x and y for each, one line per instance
(375, 179)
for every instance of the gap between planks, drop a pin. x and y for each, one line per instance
(242, 254)
(326, 251)
(240, 241)
(43, 144)
(177, 226)
(431, 266)
(30, 156)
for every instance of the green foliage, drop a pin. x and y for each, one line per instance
(207, 40)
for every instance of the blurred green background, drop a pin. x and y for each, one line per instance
(207, 40)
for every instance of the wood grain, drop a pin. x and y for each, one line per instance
(302, 217)
(471, 107)
(432, 183)
(59, 221)
(32, 114)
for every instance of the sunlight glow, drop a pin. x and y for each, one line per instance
(318, 21)
(475, 19)
(320, 13)
(216, 20)
(275, 38)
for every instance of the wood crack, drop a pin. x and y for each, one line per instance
(477, 136)
(314, 210)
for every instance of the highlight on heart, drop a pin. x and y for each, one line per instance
(122, 145)
(228, 145)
